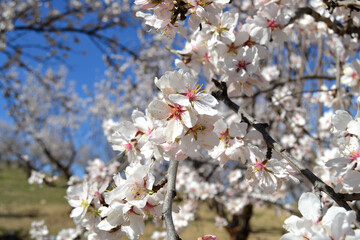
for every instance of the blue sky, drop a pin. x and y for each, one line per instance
(82, 69)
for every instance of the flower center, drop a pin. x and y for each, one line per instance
(225, 136)
(175, 112)
(353, 75)
(148, 132)
(232, 48)
(354, 156)
(84, 203)
(241, 65)
(191, 95)
(272, 24)
(138, 192)
(249, 43)
(259, 166)
(128, 146)
(206, 58)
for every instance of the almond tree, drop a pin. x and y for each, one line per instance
(286, 76)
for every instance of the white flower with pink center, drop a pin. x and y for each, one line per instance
(347, 167)
(124, 140)
(176, 117)
(135, 188)
(197, 55)
(268, 174)
(269, 24)
(222, 27)
(201, 135)
(190, 94)
(242, 66)
(231, 49)
(232, 144)
(351, 74)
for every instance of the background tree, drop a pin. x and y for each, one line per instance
(37, 38)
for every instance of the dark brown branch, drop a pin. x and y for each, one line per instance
(350, 196)
(89, 32)
(53, 159)
(160, 184)
(268, 152)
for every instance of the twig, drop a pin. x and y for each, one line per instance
(160, 184)
(170, 194)
(338, 83)
(350, 196)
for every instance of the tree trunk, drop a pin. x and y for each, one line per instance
(239, 227)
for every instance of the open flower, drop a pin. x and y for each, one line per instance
(335, 224)
(176, 116)
(268, 174)
(189, 94)
(232, 143)
(124, 140)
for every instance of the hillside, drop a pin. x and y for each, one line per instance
(21, 203)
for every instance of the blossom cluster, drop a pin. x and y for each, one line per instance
(109, 212)
(345, 166)
(336, 223)
(182, 123)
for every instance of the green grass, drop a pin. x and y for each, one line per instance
(17, 190)
(22, 203)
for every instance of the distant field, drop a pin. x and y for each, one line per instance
(21, 203)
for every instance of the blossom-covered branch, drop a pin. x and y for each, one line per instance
(261, 127)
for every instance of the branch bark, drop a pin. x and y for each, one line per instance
(170, 194)
(350, 196)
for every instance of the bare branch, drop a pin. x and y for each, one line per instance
(52, 159)
(160, 184)
(170, 194)
(350, 196)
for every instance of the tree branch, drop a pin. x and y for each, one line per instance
(221, 95)
(350, 196)
(352, 4)
(170, 194)
(337, 27)
(160, 184)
